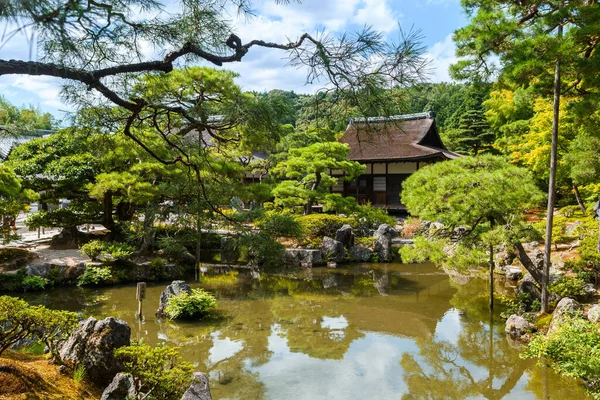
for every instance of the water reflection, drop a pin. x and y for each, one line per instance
(397, 331)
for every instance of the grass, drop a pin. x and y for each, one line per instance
(27, 376)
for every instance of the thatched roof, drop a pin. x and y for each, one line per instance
(410, 137)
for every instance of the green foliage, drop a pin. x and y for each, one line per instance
(568, 211)
(194, 305)
(117, 250)
(320, 225)
(284, 226)
(249, 215)
(423, 250)
(306, 174)
(263, 250)
(21, 321)
(92, 249)
(157, 370)
(567, 286)
(96, 275)
(479, 200)
(516, 305)
(13, 197)
(79, 374)
(573, 349)
(33, 283)
(157, 269)
(170, 246)
(473, 134)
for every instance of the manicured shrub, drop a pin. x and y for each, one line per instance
(156, 370)
(567, 286)
(278, 225)
(196, 304)
(92, 249)
(96, 275)
(320, 225)
(568, 211)
(21, 321)
(33, 283)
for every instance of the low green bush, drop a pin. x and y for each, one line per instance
(120, 251)
(156, 370)
(284, 226)
(423, 250)
(320, 225)
(196, 304)
(157, 269)
(96, 275)
(568, 211)
(567, 286)
(92, 249)
(21, 321)
(573, 348)
(33, 283)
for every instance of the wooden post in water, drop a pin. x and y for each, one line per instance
(140, 295)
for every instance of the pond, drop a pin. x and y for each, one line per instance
(363, 332)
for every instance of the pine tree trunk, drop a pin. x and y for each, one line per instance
(315, 186)
(551, 183)
(578, 197)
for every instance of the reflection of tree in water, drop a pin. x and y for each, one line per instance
(481, 362)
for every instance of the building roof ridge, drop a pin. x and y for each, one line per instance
(391, 118)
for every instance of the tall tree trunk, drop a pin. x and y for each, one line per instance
(315, 186)
(551, 183)
(107, 218)
(199, 238)
(578, 197)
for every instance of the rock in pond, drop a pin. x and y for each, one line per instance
(122, 387)
(174, 289)
(199, 389)
(345, 236)
(92, 345)
(333, 249)
(565, 307)
(517, 327)
(361, 253)
(383, 242)
(305, 257)
(594, 313)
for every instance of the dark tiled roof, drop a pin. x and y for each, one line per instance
(10, 141)
(408, 137)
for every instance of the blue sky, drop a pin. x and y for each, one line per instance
(265, 69)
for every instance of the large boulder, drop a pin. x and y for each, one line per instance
(383, 242)
(333, 249)
(199, 389)
(174, 289)
(513, 273)
(594, 313)
(92, 346)
(565, 307)
(361, 253)
(345, 236)
(122, 387)
(304, 257)
(517, 327)
(230, 251)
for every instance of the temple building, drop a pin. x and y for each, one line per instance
(391, 149)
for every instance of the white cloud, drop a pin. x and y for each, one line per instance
(33, 89)
(442, 55)
(378, 14)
